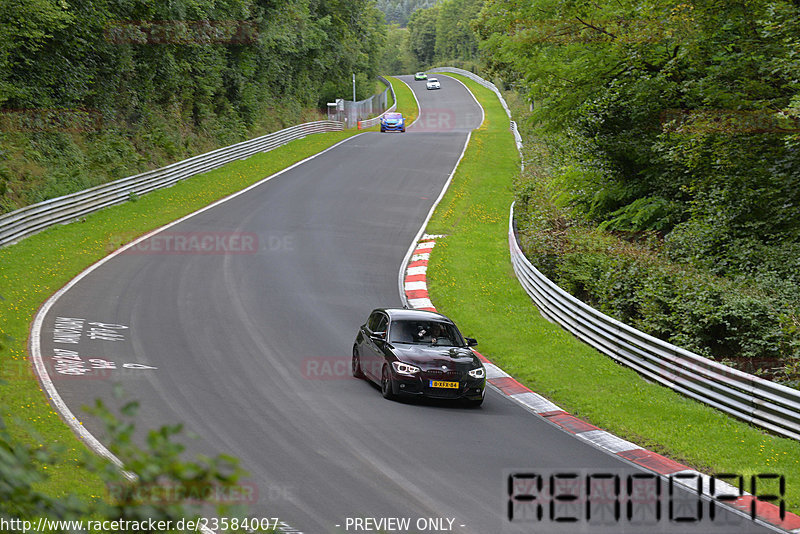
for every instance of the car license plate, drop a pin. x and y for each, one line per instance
(443, 384)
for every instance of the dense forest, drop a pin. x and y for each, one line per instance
(437, 35)
(93, 90)
(664, 181)
(399, 11)
(444, 34)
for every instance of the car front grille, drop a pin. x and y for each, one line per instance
(438, 374)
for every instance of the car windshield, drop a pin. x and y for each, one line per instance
(425, 333)
(393, 116)
(431, 80)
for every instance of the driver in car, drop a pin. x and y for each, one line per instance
(434, 333)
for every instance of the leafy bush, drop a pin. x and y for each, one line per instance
(157, 464)
(750, 323)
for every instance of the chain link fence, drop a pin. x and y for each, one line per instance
(350, 113)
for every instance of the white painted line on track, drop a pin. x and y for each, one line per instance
(483, 113)
(35, 343)
(419, 108)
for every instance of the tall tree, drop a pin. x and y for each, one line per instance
(422, 35)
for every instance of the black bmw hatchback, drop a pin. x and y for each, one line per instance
(418, 353)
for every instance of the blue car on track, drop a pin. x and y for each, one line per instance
(393, 122)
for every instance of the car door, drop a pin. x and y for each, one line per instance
(372, 359)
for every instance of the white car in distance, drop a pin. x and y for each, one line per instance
(433, 83)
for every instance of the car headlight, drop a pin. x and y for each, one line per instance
(405, 369)
(480, 372)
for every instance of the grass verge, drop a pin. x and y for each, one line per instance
(470, 279)
(35, 268)
(406, 103)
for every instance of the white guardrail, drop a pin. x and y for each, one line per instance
(750, 398)
(489, 85)
(747, 397)
(36, 217)
(753, 399)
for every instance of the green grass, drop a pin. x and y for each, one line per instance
(38, 266)
(406, 103)
(470, 279)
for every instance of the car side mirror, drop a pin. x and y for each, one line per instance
(471, 341)
(379, 335)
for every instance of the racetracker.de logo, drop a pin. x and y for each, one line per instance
(332, 368)
(186, 492)
(203, 243)
(436, 120)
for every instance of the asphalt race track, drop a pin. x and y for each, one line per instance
(248, 344)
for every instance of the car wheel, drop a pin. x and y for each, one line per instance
(403, 130)
(357, 372)
(474, 403)
(386, 384)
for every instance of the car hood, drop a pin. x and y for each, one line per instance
(429, 357)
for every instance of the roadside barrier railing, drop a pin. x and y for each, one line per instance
(26, 221)
(753, 399)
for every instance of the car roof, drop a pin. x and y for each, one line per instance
(393, 114)
(404, 313)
